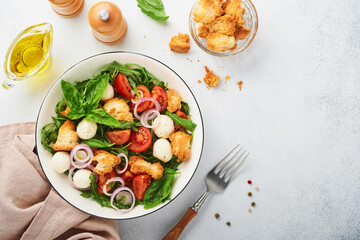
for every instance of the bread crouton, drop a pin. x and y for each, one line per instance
(67, 138)
(119, 109)
(207, 11)
(220, 42)
(241, 32)
(234, 7)
(139, 165)
(224, 25)
(210, 78)
(105, 162)
(180, 43)
(203, 31)
(180, 145)
(174, 101)
(66, 111)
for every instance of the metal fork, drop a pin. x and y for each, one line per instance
(216, 181)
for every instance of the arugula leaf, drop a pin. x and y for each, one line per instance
(96, 143)
(100, 116)
(173, 163)
(154, 9)
(186, 123)
(159, 189)
(102, 199)
(95, 89)
(185, 107)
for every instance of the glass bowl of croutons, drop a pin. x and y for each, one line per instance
(223, 28)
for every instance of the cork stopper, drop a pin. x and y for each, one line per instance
(67, 8)
(107, 22)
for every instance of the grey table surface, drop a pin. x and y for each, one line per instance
(297, 114)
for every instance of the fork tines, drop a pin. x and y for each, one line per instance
(227, 168)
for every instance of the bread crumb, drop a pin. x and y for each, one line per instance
(227, 78)
(257, 188)
(240, 84)
(144, 36)
(180, 43)
(199, 81)
(207, 87)
(198, 60)
(249, 210)
(223, 90)
(210, 78)
(187, 59)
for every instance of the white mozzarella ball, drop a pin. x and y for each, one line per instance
(165, 128)
(162, 150)
(108, 93)
(86, 129)
(81, 178)
(60, 161)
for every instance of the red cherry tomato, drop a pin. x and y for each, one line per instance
(128, 177)
(181, 114)
(140, 184)
(102, 180)
(140, 140)
(144, 105)
(159, 94)
(122, 86)
(118, 136)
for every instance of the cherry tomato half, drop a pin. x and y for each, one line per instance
(159, 94)
(102, 180)
(140, 140)
(181, 114)
(122, 86)
(144, 105)
(118, 136)
(128, 177)
(140, 184)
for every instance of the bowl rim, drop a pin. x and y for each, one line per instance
(221, 54)
(121, 52)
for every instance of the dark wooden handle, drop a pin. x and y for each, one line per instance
(179, 227)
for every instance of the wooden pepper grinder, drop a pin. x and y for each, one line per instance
(67, 8)
(107, 22)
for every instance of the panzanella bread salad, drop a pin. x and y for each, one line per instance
(120, 137)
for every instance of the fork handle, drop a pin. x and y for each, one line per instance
(179, 227)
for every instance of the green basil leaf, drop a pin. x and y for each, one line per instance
(154, 9)
(96, 143)
(159, 189)
(100, 116)
(186, 123)
(73, 98)
(95, 89)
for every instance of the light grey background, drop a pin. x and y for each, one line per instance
(297, 114)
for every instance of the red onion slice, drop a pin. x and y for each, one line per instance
(134, 94)
(118, 190)
(114, 179)
(117, 170)
(70, 176)
(81, 163)
(127, 195)
(149, 115)
(157, 105)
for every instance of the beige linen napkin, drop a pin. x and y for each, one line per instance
(29, 207)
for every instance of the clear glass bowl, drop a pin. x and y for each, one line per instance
(251, 18)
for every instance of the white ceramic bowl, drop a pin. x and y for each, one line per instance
(87, 68)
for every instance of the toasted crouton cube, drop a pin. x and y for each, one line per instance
(220, 42)
(139, 165)
(67, 138)
(180, 43)
(234, 7)
(65, 112)
(203, 31)
(241, 32)
(210, 78)
(224, 25)
(119, 109)
(207, 11)
(105, 162)
(180, 145)
(174, 101)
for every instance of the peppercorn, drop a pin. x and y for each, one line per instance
(253, 204)
(249, 182)
(228, 223)
(249, 194)
(217, 216)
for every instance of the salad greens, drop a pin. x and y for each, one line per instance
(154, 9)
(83, 100)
